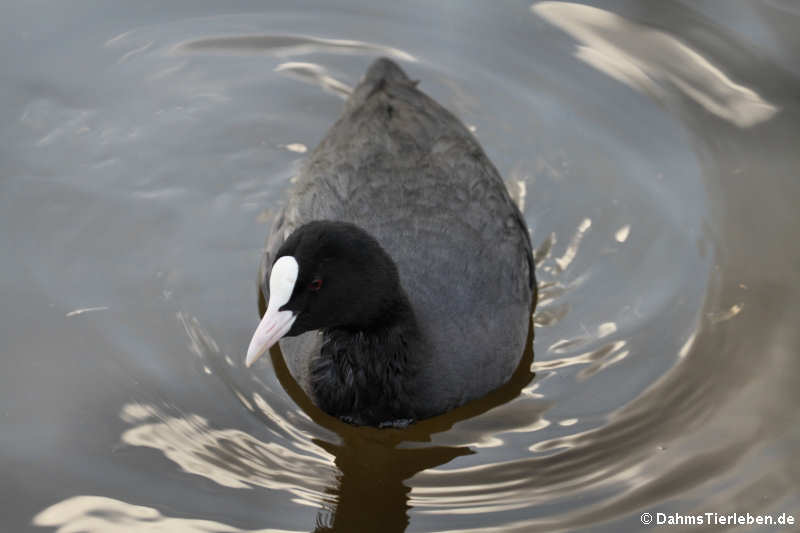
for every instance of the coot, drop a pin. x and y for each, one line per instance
(399, 275)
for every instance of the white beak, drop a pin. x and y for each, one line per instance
(275, 324)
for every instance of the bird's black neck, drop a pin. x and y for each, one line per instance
(364, 375)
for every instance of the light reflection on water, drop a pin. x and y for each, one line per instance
(665, 334)
(644, 58)
(97, 514)
(229, 457)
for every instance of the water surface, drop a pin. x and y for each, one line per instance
(144, 149)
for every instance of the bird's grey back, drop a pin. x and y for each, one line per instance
(407, 171)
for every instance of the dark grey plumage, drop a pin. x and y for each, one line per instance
(408, 172)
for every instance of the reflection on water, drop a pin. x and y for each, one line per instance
(622, 233)
(572, 249)
(299, 148)
(138, 182)
(316, 75)
(229, 457)
(642, 57)
(76, 312)
(726, 314)
(289, 46)
(98, 514)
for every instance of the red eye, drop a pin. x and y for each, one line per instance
(315, 285)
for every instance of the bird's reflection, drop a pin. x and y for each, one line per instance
(370, 490)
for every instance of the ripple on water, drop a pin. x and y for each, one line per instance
(640, 362)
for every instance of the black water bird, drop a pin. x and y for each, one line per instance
(399, 275)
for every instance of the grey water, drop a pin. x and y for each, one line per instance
(653, 147)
